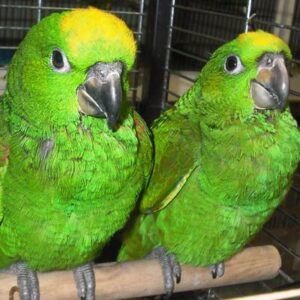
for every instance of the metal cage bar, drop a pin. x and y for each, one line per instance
(159, 35)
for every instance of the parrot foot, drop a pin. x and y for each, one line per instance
(28, 282)
(217, 270)
(85, 281)
(170, 267)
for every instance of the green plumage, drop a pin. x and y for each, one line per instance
(61, 205)
(221, 167)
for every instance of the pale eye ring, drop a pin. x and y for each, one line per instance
(233, 65)
(59, 61)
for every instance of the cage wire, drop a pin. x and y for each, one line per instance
(175, 39)
(18, 16)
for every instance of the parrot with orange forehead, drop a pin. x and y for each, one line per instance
(74, 155)
(225, 155)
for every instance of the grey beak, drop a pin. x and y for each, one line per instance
(101, 93)
(270, 89)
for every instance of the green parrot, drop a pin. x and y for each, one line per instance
(74, 156)
(224, 159)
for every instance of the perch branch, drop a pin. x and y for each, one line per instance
(144, 277)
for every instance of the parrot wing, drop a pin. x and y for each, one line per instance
(145, 144)
(4, 153)
(176, 147)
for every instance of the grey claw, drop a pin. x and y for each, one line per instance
(176, 269)
(85, 281)
(217, 270)
(170, 268)
(28, 282)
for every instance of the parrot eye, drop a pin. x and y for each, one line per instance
(59, 61)
(233, 65)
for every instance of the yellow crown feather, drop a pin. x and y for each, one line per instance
(86, 25)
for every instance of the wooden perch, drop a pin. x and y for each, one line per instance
(144, 277)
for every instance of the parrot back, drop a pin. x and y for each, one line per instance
(4, 154)
(3, 167)
(177, 144)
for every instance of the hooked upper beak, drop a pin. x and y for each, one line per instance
(101, 93)
(270, 88)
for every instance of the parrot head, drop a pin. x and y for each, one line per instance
(70, 66)
(246, 76)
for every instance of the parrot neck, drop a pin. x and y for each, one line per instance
(190, 102)
(24, 126)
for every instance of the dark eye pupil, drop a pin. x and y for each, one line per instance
(231, 63)
(57, 59)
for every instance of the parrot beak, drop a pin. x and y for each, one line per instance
(101, 93)
(270, 89)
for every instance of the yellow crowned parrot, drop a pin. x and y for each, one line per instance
(224, 159)
(74, 155)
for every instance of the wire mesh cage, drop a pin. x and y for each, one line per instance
(18, 16)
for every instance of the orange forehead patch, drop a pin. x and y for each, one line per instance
(86, 25)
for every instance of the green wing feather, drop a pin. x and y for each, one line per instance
(145, 145)
(4, 153)
(3, 166)
(175, 159)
